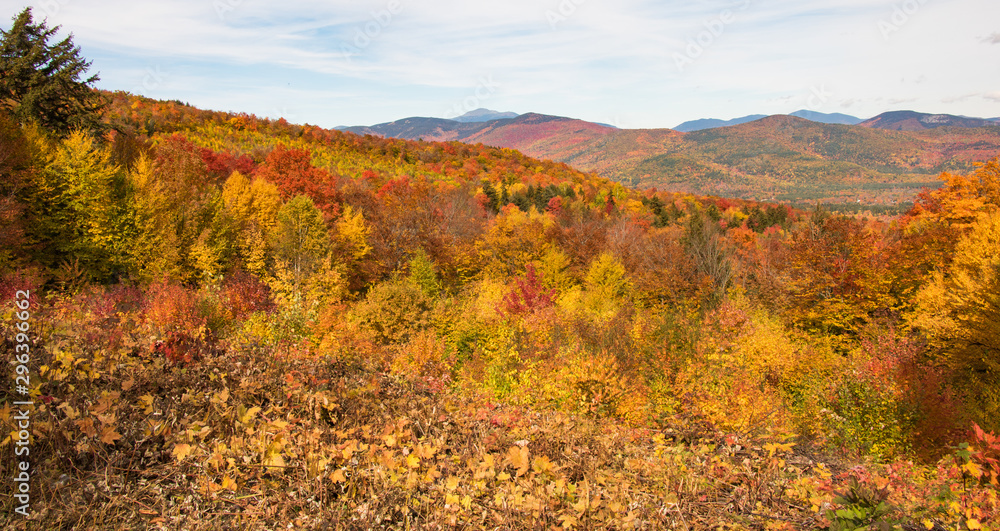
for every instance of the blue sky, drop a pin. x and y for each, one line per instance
(630, 63)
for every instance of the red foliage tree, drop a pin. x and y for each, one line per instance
(293, 173)
(221, 165)
(528, 295)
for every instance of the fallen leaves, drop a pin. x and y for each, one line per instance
(181, 451)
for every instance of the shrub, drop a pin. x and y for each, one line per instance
(393, 311)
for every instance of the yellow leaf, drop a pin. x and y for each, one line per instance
(972, 523)
(181, 451)
(773, 447)
(542, 464)
(568, 521)
(338, 476)
(518, 458)
(432, 475)
(973, 469)
(275, 460)
(221, 397)
(412, 461)
(246, 415)
(228, 483)
(451, 499)
(147, 402)
(68, 410)
(451, 483)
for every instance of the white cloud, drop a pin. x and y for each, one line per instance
(359, 61)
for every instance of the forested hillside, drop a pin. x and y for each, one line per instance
(233, 322)
(482, 337)
(775, 158)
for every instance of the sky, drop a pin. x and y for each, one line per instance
(628, 63)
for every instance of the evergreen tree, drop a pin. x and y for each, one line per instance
(43, 82)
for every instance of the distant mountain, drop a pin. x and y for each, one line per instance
(415, 128)
(775, 157)
(813, 116)
(827, 118)
(524, 133)
(710, 123)
(484, 115)
(919, 121)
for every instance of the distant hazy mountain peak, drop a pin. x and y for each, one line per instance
(484, 115)
(710, 123)
(827, 118)
(813, 116)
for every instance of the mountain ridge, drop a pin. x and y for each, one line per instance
(777, 156)
(918, 121)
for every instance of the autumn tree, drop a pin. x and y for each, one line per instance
(300, 238)
(184, 230)
(839, 276)
(959, 309)
(44, 82)
(80, 209)
(18, 156)
(253, 206)
(711, 254)
(292, 171)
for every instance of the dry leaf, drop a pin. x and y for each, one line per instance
(181, 451)
(87, 426)
(109, 435)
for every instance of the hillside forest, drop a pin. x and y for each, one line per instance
(244, 323)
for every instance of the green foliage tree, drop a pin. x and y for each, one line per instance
(44, 82)
(81, 211)
(423, 273)
(300, 238)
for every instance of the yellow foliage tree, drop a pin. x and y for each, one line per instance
(606, 285)
(85, 216)
(963, 197)
(353, 231)
(253, 205)
(959, 310)
(515, 239)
